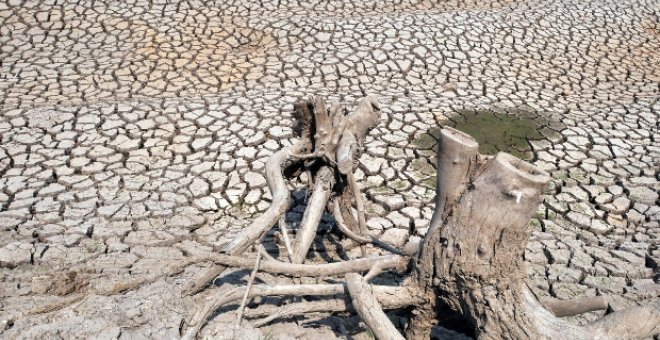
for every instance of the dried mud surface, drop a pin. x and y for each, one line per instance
(133, 135)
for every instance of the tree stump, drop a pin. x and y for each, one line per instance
(470, 262)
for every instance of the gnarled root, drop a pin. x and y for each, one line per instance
(252, 233)
(325, 135)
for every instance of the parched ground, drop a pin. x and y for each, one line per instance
(133, 134)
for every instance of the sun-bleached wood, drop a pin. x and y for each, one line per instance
(470, 262)
(312, 216)
(367, 306)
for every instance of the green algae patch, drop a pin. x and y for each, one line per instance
(427, 140)
(494, 131)
(499, 132)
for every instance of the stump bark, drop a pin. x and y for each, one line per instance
(470, 262)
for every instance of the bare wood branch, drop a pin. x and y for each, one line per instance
(338, 124)
(396, 262)
(357, 196)
(323, 133)
(239, 316)
(272, 313)
(373, 272)
(575, 306)
(284, 230)
(365, 117)
(232, 295)
(316, 206)
(262, 251)
(367, 306)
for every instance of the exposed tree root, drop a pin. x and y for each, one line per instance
(389, 262)
(367, 306)
(631, 323)
(272, 313)
(284, 230)
(355, 189)
(471, 260)
(241, 309)
(402, 299)
(313, 213)
(575, 306)
(392, 295)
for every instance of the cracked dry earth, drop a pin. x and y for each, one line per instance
(134, 134)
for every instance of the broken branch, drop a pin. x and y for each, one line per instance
(239, 317)
(369, 309)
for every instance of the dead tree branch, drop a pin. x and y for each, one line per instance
(240, 310)
(369, 309)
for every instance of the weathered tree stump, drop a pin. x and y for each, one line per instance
(471, 260)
